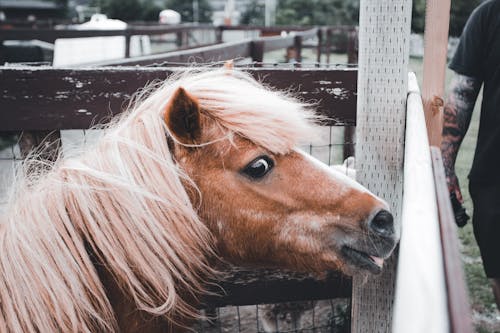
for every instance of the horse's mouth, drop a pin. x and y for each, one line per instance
(363, 260)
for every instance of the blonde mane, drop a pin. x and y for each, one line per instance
(122, 204)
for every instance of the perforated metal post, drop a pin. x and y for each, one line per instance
(382, 86)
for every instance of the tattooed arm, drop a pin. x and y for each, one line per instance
(457, 115)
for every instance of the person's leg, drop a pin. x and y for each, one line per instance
(495, 284)
(486, 222)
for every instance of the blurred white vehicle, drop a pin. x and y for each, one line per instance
(169, 16)
(77, 51)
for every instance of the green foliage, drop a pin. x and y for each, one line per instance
(63, 5)
(129, 10)
(317, 12)
(185, 8)
(418, 16)
(459, 13)
(7, 140)
(126, 10)
(254, 14)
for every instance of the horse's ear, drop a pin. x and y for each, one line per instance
(182, 117)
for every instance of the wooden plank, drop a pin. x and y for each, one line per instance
(50, 35)
(219, 52)
(420, 287)
(276, 42)
(437, 21)
(279, 42)
(249, 286)
(42, 98)
(203, 54)
(458, 300)
(384, 31)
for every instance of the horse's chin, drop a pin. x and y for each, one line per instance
(360, 258)
(357, 261)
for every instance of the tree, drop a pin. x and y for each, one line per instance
(317, 12)
(63, 7)
(185, 8)
(126, 10)
(129, 10)
(254, 13)
(459, 13)
(418, 16)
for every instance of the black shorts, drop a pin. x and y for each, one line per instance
(486, 221)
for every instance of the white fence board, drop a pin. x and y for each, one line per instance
(420, 304)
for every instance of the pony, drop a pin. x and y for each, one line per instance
(124, 235)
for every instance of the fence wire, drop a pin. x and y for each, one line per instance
(306, 317)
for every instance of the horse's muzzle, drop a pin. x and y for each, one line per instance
(369, 253)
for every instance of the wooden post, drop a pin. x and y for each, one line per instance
(437, 20)
(218, 34)
(257, 52)
(384, 36)
(127, 43)
(297, 44)
(349, 141)
(181, 39)
(2, 53)
(328, 44)
(320, 45)
(352, 58)
(352, 46)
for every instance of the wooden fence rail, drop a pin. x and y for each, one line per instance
(249, 48)
(459, 310)
(253, 48)
(43, 98)
(50, 35)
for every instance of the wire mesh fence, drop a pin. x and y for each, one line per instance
(307, 317)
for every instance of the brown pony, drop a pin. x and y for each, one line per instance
(122, 236)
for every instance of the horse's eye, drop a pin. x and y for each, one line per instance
(259, 167)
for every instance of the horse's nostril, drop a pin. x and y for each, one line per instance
(382, 224)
